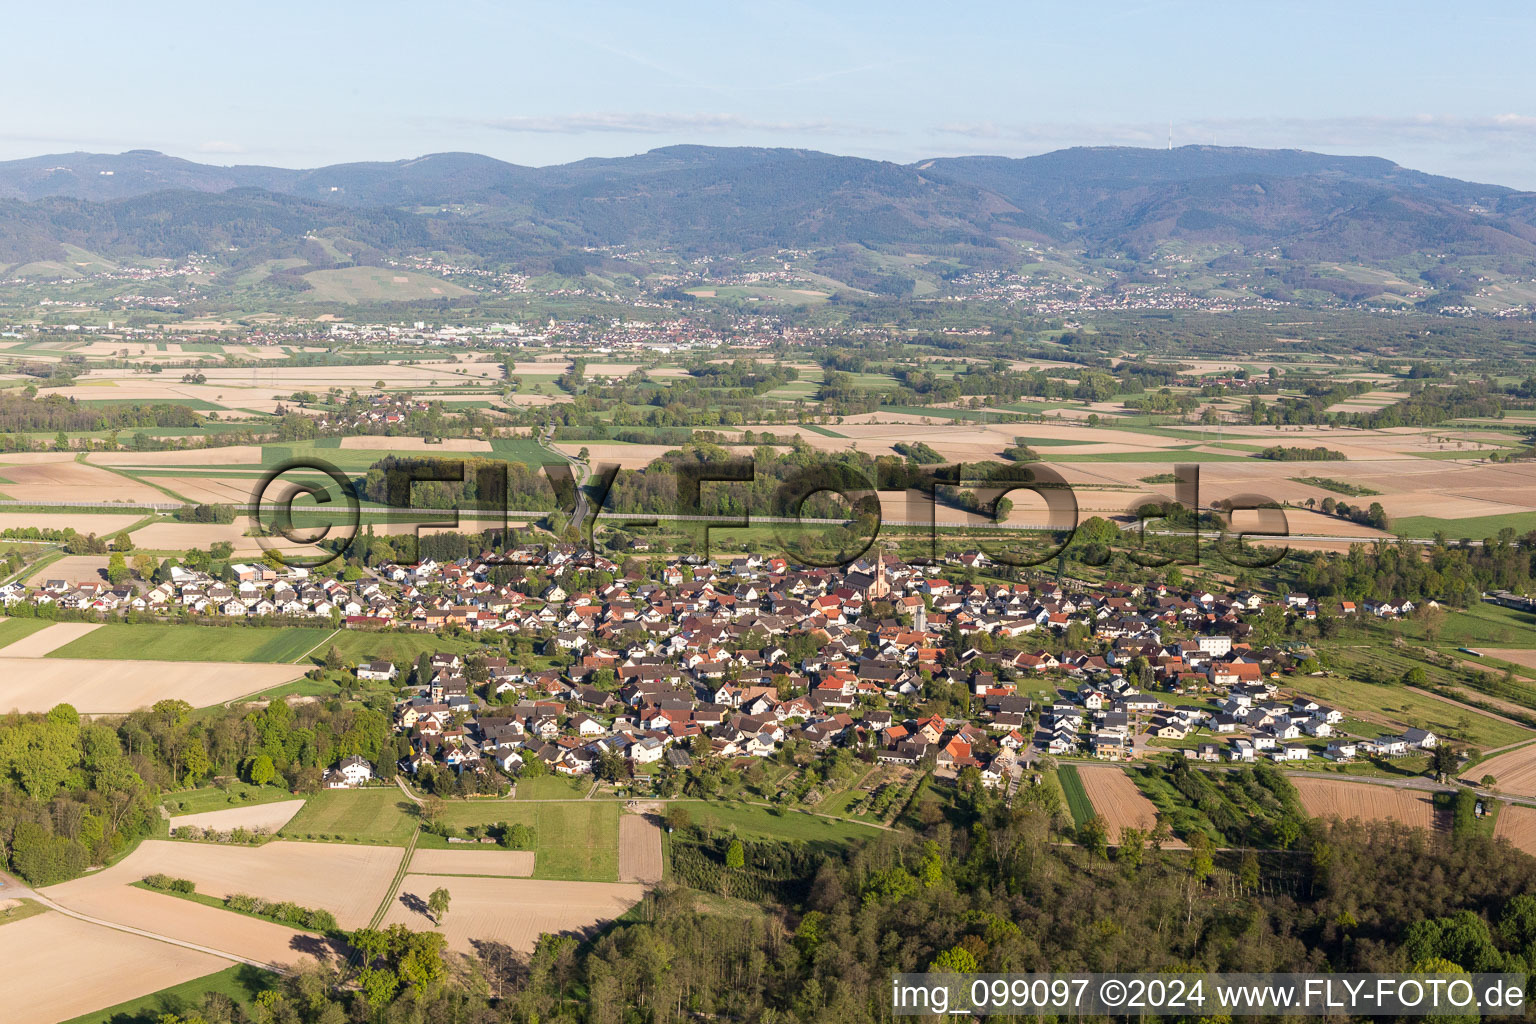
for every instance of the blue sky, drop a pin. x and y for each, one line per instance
(1453, 92)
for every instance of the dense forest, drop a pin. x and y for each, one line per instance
(75, 792)
(22, 414)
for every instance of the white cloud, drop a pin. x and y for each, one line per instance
(1261, 131)
(641, 123)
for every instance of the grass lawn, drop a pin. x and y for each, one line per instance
(1475, 527)
(355, 645)
(1077, 797)
(12, 630)
(154, 642)
(1413, 709)
(574, 841)
(241, 983)
(1488, 625)
(371, 815)
(28, 908)
(751, 822)
(552, 787)
(212, 798)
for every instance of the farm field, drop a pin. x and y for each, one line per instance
(501, 863)
(1514, 771)
(381, 815)
(109, 897)
(349, 881)
(58, 477)
(176, 537)
(103, 524)
(1116, 797)
(1073, 793)
(42, 986)
(1335, 798)
(241, 983)
(576, 840)
(12, 630)
(72, 569)
(195, 643)
(639, 849)
(1522, 656)
(44, 641)
(102, 686)
(511, 911)
(269, 816)
(1517, 823)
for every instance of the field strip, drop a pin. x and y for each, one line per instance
(315, 648)
(131, 930)
(104, 687)
(640, 857)
(271, 816)
(136, 479)
(48, 639)
(480, 863)
(43, 986)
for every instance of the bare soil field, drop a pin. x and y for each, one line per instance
(64, 479)
(45, 959)
(1517, 824)
(512, 911)
(1523, 656)
(99, 687)
(49, 638)
(110, 899)
(172, 536)
(271, 816)
(103, 525)
(639, 849)
(1116, 797)
(502, 863)
(1514, 771)
(233, 455)
(210, 490)
(72, 569)
(1336, 798)
(347, 880)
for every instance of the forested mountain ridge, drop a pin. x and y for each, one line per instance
(701, 200)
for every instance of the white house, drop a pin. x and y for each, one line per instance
(349, 773)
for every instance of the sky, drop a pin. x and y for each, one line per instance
(1450, 90)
